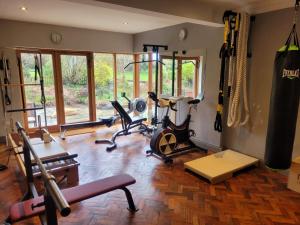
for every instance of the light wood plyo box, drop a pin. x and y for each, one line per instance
(294, 175)
(220, 166)
(46, 151)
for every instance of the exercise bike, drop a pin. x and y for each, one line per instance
(171, 139)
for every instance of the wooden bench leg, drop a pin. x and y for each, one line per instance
(130, 201)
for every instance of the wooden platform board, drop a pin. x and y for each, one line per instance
(220, 166)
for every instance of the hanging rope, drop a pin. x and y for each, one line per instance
(238, 109)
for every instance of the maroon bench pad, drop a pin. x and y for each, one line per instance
(23, 210)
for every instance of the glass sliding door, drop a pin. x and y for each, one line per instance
(75, 86)
(32, 89)
(104, 84)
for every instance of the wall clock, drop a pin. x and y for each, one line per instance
(182, 35)
(56, 38)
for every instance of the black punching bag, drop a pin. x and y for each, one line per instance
(284, 105)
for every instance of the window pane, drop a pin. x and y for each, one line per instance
(167, 77)
(188, 74)
(75, 88)
(104, 82)
(154, 72)
(144, 75)
(125, 78)
(33, 93)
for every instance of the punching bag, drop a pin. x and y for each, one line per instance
(284, 105)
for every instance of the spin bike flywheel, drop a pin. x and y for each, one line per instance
(163, 142)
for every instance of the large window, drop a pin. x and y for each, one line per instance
(143, 75)
(32, 89)
(75, 94)
(166, 78)
(186, 76)
(75, 88)
(188, 68)
(125, 77)
(154, 73)
(104, 83)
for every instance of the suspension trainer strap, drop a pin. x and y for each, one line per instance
(6, 81)
(223, 55)
(39, 72)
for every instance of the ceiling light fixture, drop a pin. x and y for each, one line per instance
(125, 23)
(23, 8)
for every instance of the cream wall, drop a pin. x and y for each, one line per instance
(25, 34)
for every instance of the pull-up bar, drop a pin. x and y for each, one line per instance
(143, 61)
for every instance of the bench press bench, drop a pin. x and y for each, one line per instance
(24, 210)
(46, 206)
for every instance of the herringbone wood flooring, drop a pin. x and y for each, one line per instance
(165, 195)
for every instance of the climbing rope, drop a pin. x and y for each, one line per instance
(238, 109)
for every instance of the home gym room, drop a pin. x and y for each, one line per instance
(149, 112)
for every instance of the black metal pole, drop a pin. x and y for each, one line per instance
(156, 82)
(173, 71)
(50, 209)
(29, 173)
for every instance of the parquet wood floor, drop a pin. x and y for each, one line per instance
(165, 195)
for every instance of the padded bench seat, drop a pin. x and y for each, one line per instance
(23, 210)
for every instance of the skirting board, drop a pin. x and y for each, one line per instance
(204, 145)
(220, 166)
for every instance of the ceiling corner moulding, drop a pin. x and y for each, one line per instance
(258, 7)
(139, 11)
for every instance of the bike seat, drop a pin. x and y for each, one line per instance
(153, 96)
(194, 101)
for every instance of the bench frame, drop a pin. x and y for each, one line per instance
(128, 124)
(46, 206)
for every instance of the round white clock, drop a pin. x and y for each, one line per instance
(56, 38)
(182, 35)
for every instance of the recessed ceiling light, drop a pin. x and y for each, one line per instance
(125, 23)
(23, 8)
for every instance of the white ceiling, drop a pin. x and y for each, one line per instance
(104, 16)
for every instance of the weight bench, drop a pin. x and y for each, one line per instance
(128, 123)
(72, 126)
(35, 207)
